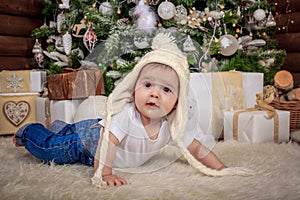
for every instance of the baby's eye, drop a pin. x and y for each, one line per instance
(166, 89)
(147, 84)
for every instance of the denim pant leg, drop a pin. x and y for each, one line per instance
(89, 133)
(61, 147)
(57, 127)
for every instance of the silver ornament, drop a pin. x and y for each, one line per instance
(106, 8)
(141, 42)
(259, 14)
(270, 21)
(229, 45)
(166, 10)
(188, 45)
(181, 15)
(67, 42)
(59, 20)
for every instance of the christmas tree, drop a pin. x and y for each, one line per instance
(111, 35)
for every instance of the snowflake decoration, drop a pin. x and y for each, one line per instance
(14, 82)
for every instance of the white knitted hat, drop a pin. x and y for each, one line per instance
(165, 51)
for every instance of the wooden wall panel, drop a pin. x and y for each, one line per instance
(20, 7)
(18, 26)
(17, 20)
(281, 7)
(296, 77)
(292, 62)
(288, 41)
(14, 63)
(16, 46)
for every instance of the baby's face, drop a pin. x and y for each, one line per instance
(156, 92)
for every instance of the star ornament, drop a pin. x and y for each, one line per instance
(14, 82)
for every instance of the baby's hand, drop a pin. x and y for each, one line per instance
(113, 180)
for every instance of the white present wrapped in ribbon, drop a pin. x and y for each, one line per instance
(253, 126)
(19, 81)
(48, 110)
(214, 93)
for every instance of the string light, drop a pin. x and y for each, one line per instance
(284, 26)
(119, 11)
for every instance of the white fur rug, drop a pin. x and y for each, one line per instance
(277, 177)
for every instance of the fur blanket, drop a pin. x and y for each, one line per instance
(277, 168)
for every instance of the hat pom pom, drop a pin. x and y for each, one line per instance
(164, 41)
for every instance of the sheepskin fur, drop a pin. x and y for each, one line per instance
(277, 176)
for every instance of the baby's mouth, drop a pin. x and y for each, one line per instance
(151, 104)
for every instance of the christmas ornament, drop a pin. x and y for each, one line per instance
(260, 24)
(146, 18)
(78, 27)
(229, 45)
(44, 25)
(270, 21)
(59, 20)
(152, 2)
(195, 21)
(181, 15)
(65, 4)
(38, 53)
(238, 12)
(259, 14)
(106, 8)
(141, 42)
(67, 42)
(166, 10)
(188, 45)
(16, 113)
(52, 24)
(123, 22)
(90, 39)
(245, 5)
(59, 44)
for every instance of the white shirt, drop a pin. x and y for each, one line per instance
(135, 146)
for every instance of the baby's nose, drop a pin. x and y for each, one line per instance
(154, 92)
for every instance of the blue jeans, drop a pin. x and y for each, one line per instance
(63, 143)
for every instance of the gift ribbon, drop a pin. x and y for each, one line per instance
(262, 106)
(47, 113)
(227, 94)
(47, 108)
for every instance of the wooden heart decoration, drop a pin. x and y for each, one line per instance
(16, 113)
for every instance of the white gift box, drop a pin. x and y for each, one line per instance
(254, 127)
(48, 110)
(14, 81)
(16, 110)
(200, 95)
